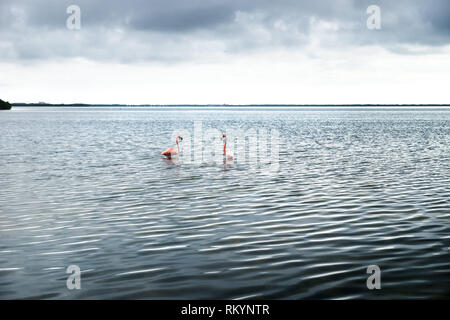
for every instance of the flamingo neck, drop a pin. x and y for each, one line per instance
(225, 147)
(178, 146)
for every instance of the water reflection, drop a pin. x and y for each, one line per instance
(353, 189)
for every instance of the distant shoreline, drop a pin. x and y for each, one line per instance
(224, 105)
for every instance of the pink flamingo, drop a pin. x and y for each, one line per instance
(227, 156)
(171, 151)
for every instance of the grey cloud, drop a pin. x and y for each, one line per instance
(158, 30)
(438, 15)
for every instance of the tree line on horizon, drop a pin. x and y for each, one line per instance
(43, 104)
(4, 105)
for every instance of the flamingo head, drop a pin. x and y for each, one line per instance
(224, 136)
(180, 137)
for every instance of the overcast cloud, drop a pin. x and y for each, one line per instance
(170, 30)
(216, 51)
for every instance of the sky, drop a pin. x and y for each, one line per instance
(225, 52)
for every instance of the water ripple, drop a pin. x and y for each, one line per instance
(354, 188)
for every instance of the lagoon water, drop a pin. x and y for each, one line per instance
(354, 187)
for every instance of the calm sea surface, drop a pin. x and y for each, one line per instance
(354, 187)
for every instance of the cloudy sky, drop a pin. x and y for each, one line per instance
(217, 51)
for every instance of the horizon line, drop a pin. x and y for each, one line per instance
(43, 104)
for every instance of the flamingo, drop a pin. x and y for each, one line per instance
(227, 156)
(171, 151)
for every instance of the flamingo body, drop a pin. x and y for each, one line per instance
(171, 151)
(227, 156)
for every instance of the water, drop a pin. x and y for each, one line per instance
(355, 187)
